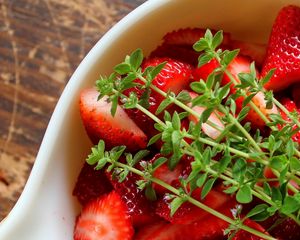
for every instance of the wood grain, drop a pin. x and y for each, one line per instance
(41, 44)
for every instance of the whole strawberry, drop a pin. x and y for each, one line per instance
(283, 51)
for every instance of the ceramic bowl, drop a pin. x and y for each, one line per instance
(46, 209)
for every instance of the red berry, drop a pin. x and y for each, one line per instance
(283, 51)
(91, 184)
(104, 218)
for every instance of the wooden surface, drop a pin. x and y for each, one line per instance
(41, 44)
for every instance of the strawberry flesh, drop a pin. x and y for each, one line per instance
(100, 124)
(242, 234)
(283, 51)
(104, 218)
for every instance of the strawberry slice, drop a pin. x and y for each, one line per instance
(291, 107)
(207, 129)
(171, 177)
(255, 51)
(242, 65)
(140, 209)
(175, 76)
(104, 218)
(91, 184)
(286, 229)
(189, 213)
(242, 234)
(206, 228)
(100, 124)
(179, 45)
(188, 36)
(284, 49)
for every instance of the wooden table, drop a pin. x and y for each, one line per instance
(41, 44)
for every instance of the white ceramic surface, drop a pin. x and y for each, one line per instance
(46, 209)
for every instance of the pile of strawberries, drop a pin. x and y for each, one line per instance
(114, 210)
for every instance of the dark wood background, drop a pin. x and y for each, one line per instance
(41, 44)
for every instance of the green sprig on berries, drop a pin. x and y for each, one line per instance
(236, 143)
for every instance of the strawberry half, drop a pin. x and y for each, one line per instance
(175, 76)
(100, 124)
(91, 184)
(104, 218)
(284, 49)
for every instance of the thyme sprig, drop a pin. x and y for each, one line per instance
(243, 155)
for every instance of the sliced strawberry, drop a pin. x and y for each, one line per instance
(209, 227)
(255, 51)
(188, 36)
(204, 71)
(291, 107)
(175, 76)
(189, 213)
(149, 232)
(140, 209)
(284, 49)
(242, 65)
(286, 229)
(100, 124)
(91, 184)
(168, 176)
(243, 235)
(104, 218)
(207, 129)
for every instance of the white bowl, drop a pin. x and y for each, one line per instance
(46, 209)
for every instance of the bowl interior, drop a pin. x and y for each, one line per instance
(46, 209)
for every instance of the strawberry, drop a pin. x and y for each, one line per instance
(104, 218)
(140, 209)
(168, 176)
(179, 45)
(188, 36)
(291, 107)
(286, 229)
(173, 77)
(255, 51)
(284, 49)
(242, 65)
(242, 234)
(100, 124)
(189, 213)
(206, 228)
(207, 129)
(91, 184)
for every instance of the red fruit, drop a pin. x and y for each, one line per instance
(283, 51)
(243, 235)
(204, 71)
(242, 65)
(255, 51)
(104, 218)
(189, 36)
(175, 76)
(149, 232)
(291, 107)
(100, 124)
(168, 176)
(207, 129)
(286, 230)
(209, 227)
(189, 213)
(91, 184)
(140, 209)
